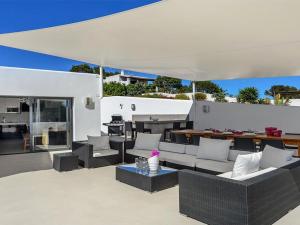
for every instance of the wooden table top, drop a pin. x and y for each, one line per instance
(160, 121)
(257, 136)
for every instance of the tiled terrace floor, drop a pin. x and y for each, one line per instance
(91, 197)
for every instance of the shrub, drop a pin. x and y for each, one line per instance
(200, 96)
(182, 97)
(264, 101)
(114, 89)
(155, 96)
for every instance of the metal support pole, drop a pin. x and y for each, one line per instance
(101, 81)
(194, 89)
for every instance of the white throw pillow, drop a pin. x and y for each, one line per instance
(248, 176)
(275, 157)
(99, 142)
(233, 154)
(246, 164)
(147, 141)
(213, 149)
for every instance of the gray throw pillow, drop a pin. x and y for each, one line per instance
(99, 142)
(191, 149)
(233, 154)
(171, 147)
(147, 141)
(214, 149)
(275, 157)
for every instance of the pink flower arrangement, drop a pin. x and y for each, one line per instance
(154, 152)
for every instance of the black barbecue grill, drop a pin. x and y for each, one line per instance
(115, 127)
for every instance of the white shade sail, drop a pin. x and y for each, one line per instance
(188, 39)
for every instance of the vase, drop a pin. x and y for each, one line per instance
(153, 163)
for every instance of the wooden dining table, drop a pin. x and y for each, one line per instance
(287, 139)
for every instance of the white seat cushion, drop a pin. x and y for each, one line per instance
(177, 158)
(147, 141)
(248, 176)
(233, 154)
(217, 166)
(102, 153)
(214, 149)
(246, 164)
(171, 147)
(275, 157)
(99, 142)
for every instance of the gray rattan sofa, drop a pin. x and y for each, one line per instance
(182, 156)
(89, 158)
(261, 200)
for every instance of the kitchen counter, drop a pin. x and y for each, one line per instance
(12, 124)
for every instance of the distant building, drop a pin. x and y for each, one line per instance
(127, 79)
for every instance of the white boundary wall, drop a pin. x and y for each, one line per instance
(245, 116)
(144, 106)
(44, 83)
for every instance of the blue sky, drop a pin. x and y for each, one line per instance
(20, 15)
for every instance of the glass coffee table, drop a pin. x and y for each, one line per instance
(151, 182)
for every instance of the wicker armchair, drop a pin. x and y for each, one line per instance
(86, 154)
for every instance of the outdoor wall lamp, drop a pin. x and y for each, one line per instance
(133, 107)
(121, 106)
(205, 108)
(89, 103)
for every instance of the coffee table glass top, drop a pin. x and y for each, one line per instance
(132, 168)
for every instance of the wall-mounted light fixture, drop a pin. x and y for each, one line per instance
(121, 106)
(205, 108)
(133, 108)
(89, 103)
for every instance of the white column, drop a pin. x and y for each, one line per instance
(122, 72)
(194, 89)
(101, 82)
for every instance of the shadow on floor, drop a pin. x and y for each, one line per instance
(20, 163)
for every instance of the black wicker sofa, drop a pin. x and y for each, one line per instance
(261, 200)
(89, 158)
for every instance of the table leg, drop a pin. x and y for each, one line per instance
(298, 153)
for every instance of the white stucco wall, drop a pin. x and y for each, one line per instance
(246, 116)
(147, 106)
(43, 83)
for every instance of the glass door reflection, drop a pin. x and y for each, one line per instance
(51, 124)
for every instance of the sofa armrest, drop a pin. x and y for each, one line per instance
(129, 144)
(83, 150)
(212, 199)
(274, 193)
(216, 200)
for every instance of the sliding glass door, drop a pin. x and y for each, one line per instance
(50, 121)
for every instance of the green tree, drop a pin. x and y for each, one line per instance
(114, 89)
(248, 95)
(283, 90)
(82, 68)
(168, 84)
(207, 87)
(185, 89)
(135, 89)
(86, 68)
(220, 96)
